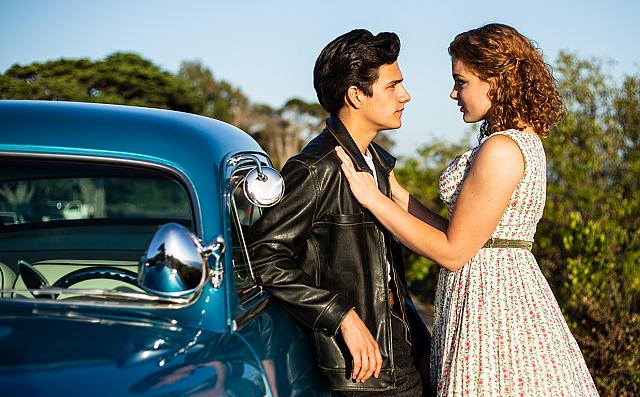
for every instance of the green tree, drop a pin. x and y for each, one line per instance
(121, 78)
(282, 132)
(588, 243)
(222, 101)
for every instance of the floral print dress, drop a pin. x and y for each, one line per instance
(498, 330)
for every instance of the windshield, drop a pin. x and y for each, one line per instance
(74, 229)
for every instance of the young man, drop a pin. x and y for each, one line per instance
(324, 256)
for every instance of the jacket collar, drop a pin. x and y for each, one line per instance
(380, 156)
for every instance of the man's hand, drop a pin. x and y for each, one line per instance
(367, 359)
(362, 184)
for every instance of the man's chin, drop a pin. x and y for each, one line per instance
(395, 126)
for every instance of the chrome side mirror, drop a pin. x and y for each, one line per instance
(175, 262)
(263, 185)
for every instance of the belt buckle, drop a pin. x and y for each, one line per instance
(490, 242)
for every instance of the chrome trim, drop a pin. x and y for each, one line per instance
(231, 163)
(263, 185)
(91, 293)
(175, 262)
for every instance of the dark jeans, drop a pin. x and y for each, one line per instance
(407, 377)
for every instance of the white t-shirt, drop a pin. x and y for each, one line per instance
(369, 159)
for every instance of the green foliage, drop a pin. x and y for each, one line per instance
(420, 175)
(280, 131)
(590, 236)
(588, 242)
(121, 78)
(222, 101)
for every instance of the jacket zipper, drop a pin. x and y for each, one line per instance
(401, 299)
(383, 253)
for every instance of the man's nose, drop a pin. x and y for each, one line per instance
(405, 97)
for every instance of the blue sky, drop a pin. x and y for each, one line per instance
(268, 47)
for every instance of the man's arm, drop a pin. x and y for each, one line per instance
(279, 238)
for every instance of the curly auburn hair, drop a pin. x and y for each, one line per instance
(523, 89)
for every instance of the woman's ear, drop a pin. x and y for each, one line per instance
(352, 97)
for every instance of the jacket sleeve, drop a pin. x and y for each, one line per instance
(277, 241)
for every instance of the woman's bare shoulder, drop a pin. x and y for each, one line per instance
(500, 155)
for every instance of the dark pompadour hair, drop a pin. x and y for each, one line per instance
(352, 59)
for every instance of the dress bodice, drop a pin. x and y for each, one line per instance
(526, 205)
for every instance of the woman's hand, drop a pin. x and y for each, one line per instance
(362, 184)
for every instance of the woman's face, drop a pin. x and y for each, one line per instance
(471, 93)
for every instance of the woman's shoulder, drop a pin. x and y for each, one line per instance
(501, 143)
(500, 152)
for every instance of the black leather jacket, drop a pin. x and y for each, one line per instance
(320, 253)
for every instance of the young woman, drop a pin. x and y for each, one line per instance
(498, 330)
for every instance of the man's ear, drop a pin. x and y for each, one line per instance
(353, 97)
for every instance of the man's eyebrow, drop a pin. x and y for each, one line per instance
(394, 82)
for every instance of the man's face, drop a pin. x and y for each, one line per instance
(383, 110)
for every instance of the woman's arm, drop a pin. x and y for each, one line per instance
(407, 202)
(487, 189)
(399, 194)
